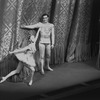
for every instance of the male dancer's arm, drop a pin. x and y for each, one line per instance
(31, 26)
(52, 37)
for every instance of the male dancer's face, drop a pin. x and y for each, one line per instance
(45, 19)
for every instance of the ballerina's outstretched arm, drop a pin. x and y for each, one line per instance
(37, 35)
(20, 50)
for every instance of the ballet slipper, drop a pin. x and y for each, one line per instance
(3, 79)
(30, 83)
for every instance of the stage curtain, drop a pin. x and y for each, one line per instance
(10, 15)
(62, 18)
(8, 26)
(98, 59)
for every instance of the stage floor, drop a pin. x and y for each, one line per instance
(63, 76)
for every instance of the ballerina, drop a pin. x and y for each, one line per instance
(25, 56)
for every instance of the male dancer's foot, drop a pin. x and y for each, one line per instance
(42, 71)
(50, 69)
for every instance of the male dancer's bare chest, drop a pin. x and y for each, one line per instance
(46, 30)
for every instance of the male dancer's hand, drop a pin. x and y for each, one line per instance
(10, 52)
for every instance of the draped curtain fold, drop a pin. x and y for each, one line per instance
(8, 29)
(71, 19)
(62, 20)
(79, 47)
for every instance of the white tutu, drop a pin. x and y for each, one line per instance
(26, 58)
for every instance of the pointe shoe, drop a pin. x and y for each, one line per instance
(50, 69)
(3, 79)
(30, 83)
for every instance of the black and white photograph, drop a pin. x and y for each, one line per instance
(49, 49)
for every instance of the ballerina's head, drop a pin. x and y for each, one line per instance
(32, 38)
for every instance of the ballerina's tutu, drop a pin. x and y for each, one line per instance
(27, 58)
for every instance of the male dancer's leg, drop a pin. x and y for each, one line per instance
(42, 54)
(48, 54)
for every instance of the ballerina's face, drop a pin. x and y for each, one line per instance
(32, 38)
